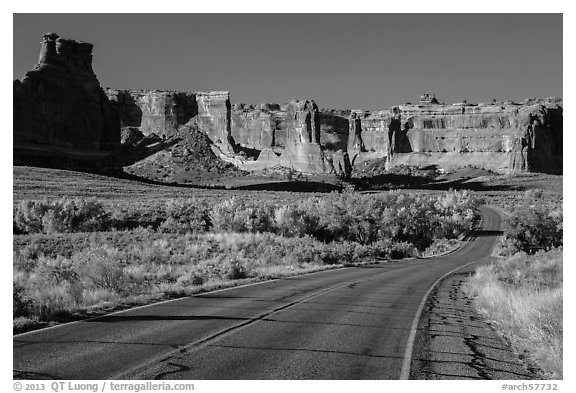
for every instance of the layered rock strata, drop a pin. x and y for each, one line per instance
(214, 111)
(250, 137)
(62, 118)
(500, 137)
(303, 152)
(264, 126)
(258, 127)
(153, 111)
(299, 150)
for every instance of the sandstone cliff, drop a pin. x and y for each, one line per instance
(252, 138)
(500, 137)
(153, 111)
(62, 118)
(303, 152)
(287, 136)
(264, 126)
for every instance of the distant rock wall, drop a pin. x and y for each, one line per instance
(264, 126)
(214, 111)
(501, 137)
(300, 147)
(258, 127)
(153, 111)
(162, 112)
(303, 151)
(62, 118)
(250, 137)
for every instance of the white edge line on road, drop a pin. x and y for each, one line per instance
(405, 372)
(167, 301)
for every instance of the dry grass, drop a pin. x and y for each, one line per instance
(522, 297)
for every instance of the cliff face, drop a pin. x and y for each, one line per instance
(258, 128)
(264, 126)
(251, 138)
(504, 138)
(303, 152)
(214, 111)
(62, 118)
(163, 112)
(153, 112)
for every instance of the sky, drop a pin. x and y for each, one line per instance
(353, 61)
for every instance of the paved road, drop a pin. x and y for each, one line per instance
(350, 323)
(456, 343)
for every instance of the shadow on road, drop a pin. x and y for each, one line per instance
(138, 318)
(488, 233)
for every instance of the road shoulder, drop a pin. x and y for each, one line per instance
(454, 342)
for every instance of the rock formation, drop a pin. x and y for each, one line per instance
(258, 128)
(303, 152)
(287, 137)
(153, 111)
(214, 111)
(498, 137)
(250, 137)
(264, 126)
(62, 118)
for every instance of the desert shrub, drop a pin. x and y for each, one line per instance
(396, 216)
(239, 215)
(290, 220)
(62, 215)
(184, 216)
(21, 304)
(533, 227)
(100, 268)
(540, 269)
(455, 213)
(49, 290)
(128, 217)
(351, 216)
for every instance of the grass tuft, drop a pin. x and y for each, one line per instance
(522, 297)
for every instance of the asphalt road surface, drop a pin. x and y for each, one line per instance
(350, 323)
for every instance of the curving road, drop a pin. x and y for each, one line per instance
(350, 323)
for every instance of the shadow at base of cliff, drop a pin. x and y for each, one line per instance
(292, 186)
(398, 181)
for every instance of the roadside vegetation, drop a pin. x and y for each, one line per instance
(72, 255)
(521, 293)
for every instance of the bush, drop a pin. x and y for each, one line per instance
(534, 227)
(292, 220)
(100, 268)
(239, 215)
(21, 305)
(185, 216)
(59, 216)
